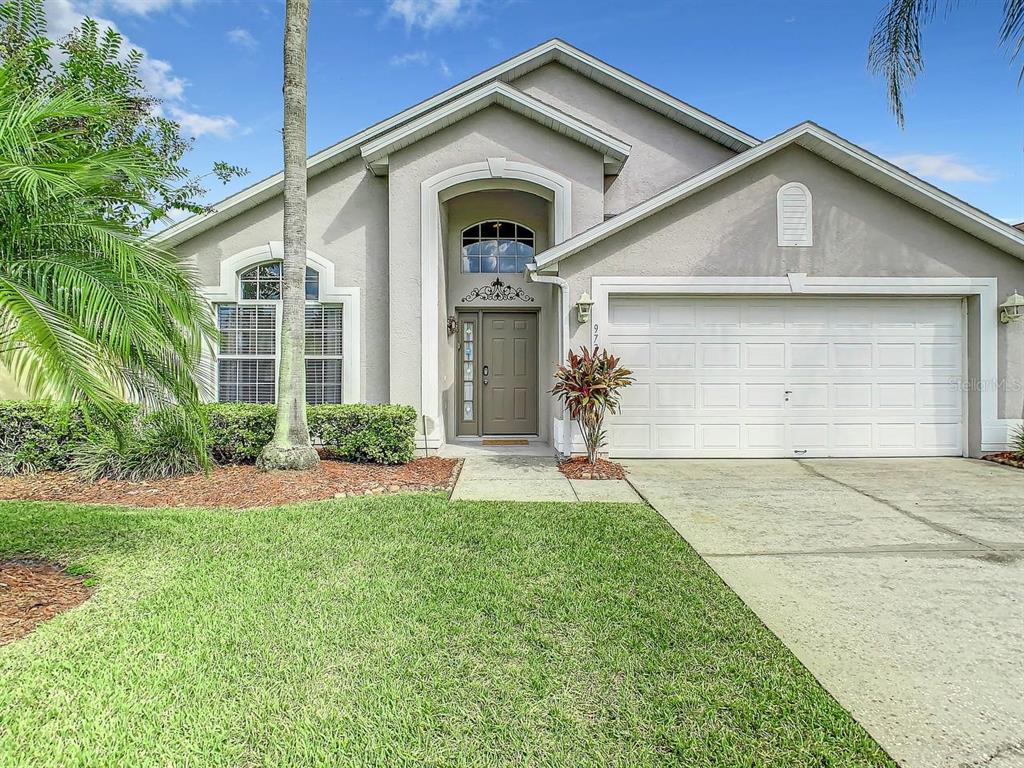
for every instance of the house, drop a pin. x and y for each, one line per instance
(796, 296)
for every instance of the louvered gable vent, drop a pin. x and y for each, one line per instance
(794, 211)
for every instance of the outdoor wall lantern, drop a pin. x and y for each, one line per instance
(583, 308)
(1012, 309)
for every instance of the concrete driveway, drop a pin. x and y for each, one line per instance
(898, 582)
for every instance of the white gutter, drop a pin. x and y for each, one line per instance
(565, 310)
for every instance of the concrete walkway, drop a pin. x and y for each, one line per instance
(899, 583)
(517, 477)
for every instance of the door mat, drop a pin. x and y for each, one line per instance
(506, 442)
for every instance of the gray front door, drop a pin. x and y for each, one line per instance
(509, 373)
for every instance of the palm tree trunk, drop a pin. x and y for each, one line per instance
(290, 447)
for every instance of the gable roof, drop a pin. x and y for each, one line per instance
(376, 152)
(551, 51)
(836, 150)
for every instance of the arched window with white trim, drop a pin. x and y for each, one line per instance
(794, 214)
(249, 349)
(497, 246)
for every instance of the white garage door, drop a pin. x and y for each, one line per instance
(788, 376)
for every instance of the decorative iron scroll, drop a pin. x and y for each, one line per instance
(497, 291)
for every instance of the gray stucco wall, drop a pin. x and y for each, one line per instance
(347, 224)
(859, 230)
(492, 132)
(663, 151)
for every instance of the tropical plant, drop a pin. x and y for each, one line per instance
(895, 53)
(290, 447)
(101, 64)
(589, 385)
(1017, 441)
(164, 443)
(89, 309)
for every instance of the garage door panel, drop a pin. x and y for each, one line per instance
(939, 436)
(941, 355)
(769, 395)
(716, 354)
(636, 398)
(634, 355)
(762, 437)
(670, 396)
(808, 355)
(676, 437)
(852, 436)
(719, 314)
(675, 355)
(865, 377)
(940, 396)
(892, 354)
(720, 436)
(720, 395)
(851, 395)
(765, 354)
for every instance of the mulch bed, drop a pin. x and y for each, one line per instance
(239, 486)
(33, 591)
(577, 468)
(1009, 458)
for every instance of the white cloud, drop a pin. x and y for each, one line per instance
(242, 38)
(157, 75)
(194, 124)
(417, 58)
(942, 167)
(140, 7)
(160, 81)
(421, 59)
(432, 14)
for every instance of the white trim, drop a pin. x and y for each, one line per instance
(226, 292)
(375, 153)
(560, 437)
(431, 191)
(806, 237)
(994, 430)
(517, 66)
(832, 148)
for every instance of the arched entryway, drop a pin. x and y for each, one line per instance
(494, 175)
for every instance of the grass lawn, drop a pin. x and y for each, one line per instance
(400, 631)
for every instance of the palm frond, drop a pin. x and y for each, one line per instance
(89, 309)
(1011, 34)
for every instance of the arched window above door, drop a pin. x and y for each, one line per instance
(497, 246)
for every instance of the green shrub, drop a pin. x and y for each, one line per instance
(238, 431)
(382, 434)
(40, 436)
(165, 443)
(37, 436)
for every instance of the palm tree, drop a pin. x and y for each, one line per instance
(895, 48)
(290, 447)
(90, 310)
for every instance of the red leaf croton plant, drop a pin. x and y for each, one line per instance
(589, 385)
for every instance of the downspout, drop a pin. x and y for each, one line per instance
(565, 308)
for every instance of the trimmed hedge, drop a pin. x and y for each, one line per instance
(39, 436)
(238, 431)
(380, 434)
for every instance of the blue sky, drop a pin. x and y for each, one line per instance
(762, 66)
